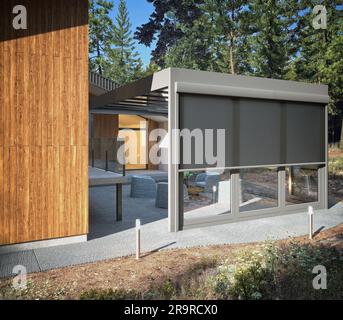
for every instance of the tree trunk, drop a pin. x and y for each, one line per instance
(232, 59)
(341, 143)
(99, 55)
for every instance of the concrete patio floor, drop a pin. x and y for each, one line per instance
(109, 239)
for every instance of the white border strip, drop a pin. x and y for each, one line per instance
(42, 244)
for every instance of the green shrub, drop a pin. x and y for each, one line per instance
(253, 277)
(336, 167)
(168, 289)
(285, 272)
(219, 283)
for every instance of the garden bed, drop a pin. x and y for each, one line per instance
(166, 274)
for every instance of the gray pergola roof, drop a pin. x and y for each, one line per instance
(150, 95)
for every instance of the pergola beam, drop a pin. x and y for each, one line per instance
(153, 85)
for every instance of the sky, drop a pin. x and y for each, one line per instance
(139, 11)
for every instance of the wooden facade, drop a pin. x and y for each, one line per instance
(105, 131)
(44, 121)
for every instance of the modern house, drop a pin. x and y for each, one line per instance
(275, 134)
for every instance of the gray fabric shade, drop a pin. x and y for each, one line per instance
(258, 132)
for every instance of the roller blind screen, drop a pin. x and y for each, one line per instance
(257, 132)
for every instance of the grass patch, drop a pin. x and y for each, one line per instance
(336, 163)
(336, 167)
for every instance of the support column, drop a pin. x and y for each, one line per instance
(173, 157)
(323, 187)
(235, 193)
(119, 202)
(325, 170)
(281, 187)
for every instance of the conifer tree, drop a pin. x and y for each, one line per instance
(126, 66)
(272, 41)
(100, 34)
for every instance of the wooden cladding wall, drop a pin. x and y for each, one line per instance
(105, 132)
(44, 121)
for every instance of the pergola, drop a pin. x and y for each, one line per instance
(145, 96)
(160, 94)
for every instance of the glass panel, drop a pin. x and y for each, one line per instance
(301, 184)
(258, 189)
(206, 195)
(103, 155)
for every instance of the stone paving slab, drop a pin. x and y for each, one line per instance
(25, 258)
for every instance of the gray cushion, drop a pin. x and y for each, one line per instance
(143, 187)
(162, 195)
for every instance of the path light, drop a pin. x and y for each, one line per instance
(310, 221)
(138, 239)
(214, 189)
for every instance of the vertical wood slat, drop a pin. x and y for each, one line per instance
(23, 191)
(84, 193)
(9, 93)
(2, 99)
(2, 192)
(12, 197)
(6, 196)
(57, 230)
(44, 124)
(45, 177)
(61, 192)
(50, 158)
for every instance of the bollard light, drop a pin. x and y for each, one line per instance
(214, 192)
(138, 224)
(138, 239)
(310, 221)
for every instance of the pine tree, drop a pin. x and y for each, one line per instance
(272, 41)
(170, 22)
(100, 34)
(320, 50)
(126, 66)
(229, 24)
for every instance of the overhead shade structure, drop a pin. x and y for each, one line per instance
(273, 126)
(145, 96)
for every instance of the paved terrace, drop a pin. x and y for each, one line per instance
(109, 239)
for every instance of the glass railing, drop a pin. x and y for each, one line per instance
(104, 154)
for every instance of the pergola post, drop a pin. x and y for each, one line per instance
(173, 157)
